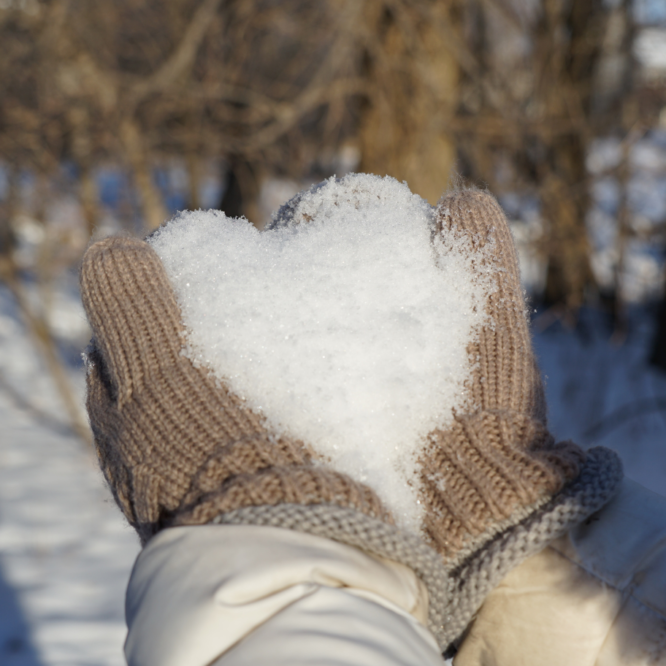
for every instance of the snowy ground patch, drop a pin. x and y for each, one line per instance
(602, 391)
(63, 546)
(65, 550)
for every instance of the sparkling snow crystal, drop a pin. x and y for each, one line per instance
(343, 323)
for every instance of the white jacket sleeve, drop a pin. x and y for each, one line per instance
(595, 597)
(231, 595)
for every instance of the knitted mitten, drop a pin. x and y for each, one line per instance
(495, 485)
(177, 447)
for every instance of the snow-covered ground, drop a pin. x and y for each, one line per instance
(65, 551)
(602, 391)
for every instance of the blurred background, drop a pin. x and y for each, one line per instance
(114, 115)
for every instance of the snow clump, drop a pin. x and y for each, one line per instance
(345, 323)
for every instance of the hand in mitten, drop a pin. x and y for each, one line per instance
(496, 485)
(179, 448)
(175, 444)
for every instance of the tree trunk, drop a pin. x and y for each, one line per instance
(569, 50)
(242, 190)
(402, 129)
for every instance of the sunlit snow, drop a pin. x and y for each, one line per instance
(348, 332)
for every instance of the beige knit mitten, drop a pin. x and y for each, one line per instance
(496, 486)
(175, 444)
(177, 447)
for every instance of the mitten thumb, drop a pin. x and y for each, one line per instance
(132, 310)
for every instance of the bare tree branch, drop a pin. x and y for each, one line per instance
(177, 66)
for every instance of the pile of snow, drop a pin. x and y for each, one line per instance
(348, 331)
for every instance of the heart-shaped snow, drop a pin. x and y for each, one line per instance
(345, 324)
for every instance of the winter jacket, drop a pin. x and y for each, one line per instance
(595, 597)
(231, 595)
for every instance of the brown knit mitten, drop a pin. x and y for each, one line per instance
(177, 447)
(175, 444)
(496, 486)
